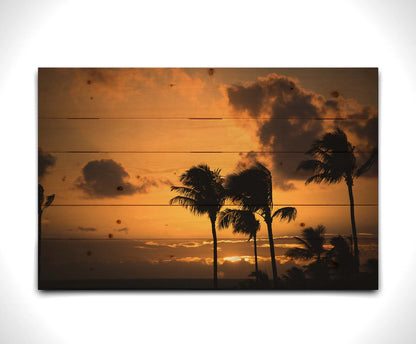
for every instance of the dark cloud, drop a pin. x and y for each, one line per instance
(87, 229)
(107, 178)
(364, 127)
(248, 98)
(45, 162)
(124, 229)
(287, 125)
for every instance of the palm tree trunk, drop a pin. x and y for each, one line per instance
(272, 256)
(39, 241)
(214, 237)
(354, 229)
(255, 257)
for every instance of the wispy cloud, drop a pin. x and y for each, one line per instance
(193, 244)
(122, 230)
(87, 229)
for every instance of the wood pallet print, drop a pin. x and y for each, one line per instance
(208, 178)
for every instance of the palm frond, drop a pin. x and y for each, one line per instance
(286, 213)
(317, 178)
(324, 177)
(341, 255)
(315, 237)
(311, 165)
(334, 159)
(312, 240)
(251, 188)
(201, 176)
(185, 191)
(304, 242)
(242, 221)
(334, 141)
(183, 201)
(226, 217)
(320, 229)
(339, 242)
(189, 203)
(202, 191)
(299, 253)
(49, 201)
(368, 164)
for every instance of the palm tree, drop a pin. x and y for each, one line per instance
(295, 278)
(312, 241)
(251, 188)
(203, 194)
(244, 222)
(341, 256)
(42, 205)
(334, 160)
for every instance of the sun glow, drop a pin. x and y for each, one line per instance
(234, 259)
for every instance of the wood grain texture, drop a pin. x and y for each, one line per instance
(136, 167)
(152, 174)
(143, 221)
(151, 92)
(174, 135)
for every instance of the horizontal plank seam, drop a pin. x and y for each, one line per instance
(205, 118)
(214, 205)
(276, 238)
(183, 152)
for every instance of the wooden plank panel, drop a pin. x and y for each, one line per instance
(147, 222)
(189, 92)
(114, 141)
(170, 242)
(178, 135)
(123, 92)
(146, 178)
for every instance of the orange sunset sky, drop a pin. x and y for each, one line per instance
(113, 141)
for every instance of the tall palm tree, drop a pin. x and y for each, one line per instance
(42, 205)
(203, 194)
(333, 161)
(243, 221)
(312, 241)
(251, 188)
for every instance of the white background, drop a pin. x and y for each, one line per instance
(219, 34)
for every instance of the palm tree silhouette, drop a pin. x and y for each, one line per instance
(251, 188)
(202, 193)
(334, 160)
(341, 256)
(42, 205)
(312, 241)
(295, 277)
(245, 222)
